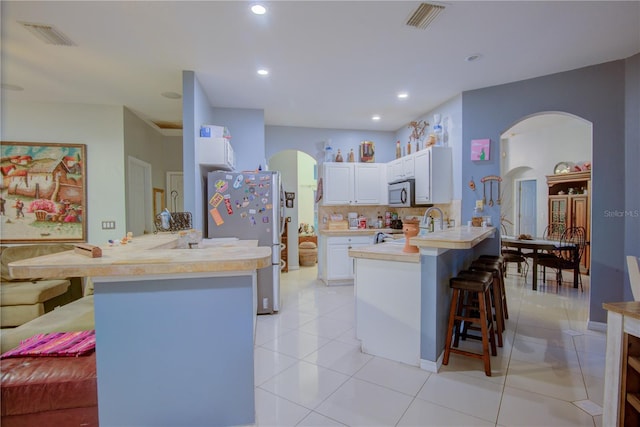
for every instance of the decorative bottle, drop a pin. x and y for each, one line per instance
(339, 156)
(352, 156)
(398, 150)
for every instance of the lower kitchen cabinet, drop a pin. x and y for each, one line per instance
(334, 263)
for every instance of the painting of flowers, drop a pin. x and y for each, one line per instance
(43, 192)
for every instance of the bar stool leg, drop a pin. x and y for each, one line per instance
(485, 333)
(452, 321)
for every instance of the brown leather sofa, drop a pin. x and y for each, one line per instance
(49, 391)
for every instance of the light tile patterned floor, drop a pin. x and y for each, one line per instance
(309, 370)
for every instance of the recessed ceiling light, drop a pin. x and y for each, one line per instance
(171, 95)
(376, 117)
(258, 9)
(8, 86)
(263, 72)
(403, 95)
(473, 57)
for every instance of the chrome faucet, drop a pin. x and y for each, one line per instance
(425, 219)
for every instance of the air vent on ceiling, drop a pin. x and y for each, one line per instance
(424, 15)
(48, 34)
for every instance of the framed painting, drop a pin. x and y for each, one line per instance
(480, 149)
(43, 194)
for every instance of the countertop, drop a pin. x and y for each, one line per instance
(387, 251)
(149, 254)
(453, 238)
(628, 308)
(359, 232)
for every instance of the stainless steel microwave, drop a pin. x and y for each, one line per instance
(402, 194)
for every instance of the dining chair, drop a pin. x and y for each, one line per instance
(634, 276)
(570, 251)
(548, 234)
(516, 257)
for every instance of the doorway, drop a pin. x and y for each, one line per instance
(299, 176)
(526, 207)
(534, 153)
(139, 209)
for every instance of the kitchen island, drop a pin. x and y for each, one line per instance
(335, 267)
(174, 328)
(403, 300)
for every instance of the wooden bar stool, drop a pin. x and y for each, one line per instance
(501, 266)
(476, 316)
(494, 300)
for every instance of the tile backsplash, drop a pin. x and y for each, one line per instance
(450, 210)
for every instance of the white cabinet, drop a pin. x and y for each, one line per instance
(338, 181)
(433, 175)
(215, 153)
(354, 183)
(336, 264)
(401, 169)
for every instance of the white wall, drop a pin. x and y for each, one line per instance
(307, 185)
(287, 163)
(101, 128)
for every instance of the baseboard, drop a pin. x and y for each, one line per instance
(597, 326)
(430, 366)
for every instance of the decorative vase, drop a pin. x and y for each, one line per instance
(410, 228)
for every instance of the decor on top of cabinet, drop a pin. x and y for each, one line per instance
(367, 152)
(418, 129)
(351, 157)
(339, 156)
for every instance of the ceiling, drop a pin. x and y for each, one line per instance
(333, 64)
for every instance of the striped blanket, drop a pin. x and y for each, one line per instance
(78, 343)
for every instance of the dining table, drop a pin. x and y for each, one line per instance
(537, 245)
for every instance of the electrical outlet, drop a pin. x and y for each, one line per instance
(479, 204)
(108, 225)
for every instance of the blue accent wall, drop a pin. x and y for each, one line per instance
(597, 94)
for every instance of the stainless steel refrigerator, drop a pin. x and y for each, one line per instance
(250, 206)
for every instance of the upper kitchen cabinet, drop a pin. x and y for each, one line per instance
(354, 183)
(215, 153)
(401, 169)
(433, 175)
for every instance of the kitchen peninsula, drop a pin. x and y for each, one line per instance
(403, 299)
(174, 328)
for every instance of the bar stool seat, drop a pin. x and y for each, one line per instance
(499, 266)
(469, 287)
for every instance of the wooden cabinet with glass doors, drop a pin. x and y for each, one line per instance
(569, 206)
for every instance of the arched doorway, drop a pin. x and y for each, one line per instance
(530, 150)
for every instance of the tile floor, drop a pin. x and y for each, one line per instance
(309, 370)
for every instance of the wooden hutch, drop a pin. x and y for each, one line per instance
(569, 206)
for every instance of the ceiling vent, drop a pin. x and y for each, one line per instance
(424, 15)
(48, 34)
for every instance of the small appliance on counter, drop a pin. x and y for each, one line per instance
(396, 224)
(353, 220)
(362, 222)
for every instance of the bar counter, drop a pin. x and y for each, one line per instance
(403, 299)
(174, 328)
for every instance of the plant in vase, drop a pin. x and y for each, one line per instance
(418, 129)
